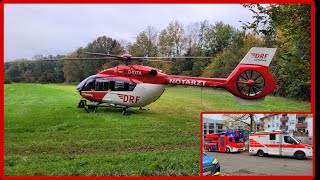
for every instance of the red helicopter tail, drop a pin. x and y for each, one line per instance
(251, 79)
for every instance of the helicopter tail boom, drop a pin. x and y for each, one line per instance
(250, 80)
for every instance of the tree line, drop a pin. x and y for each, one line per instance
(285, 27)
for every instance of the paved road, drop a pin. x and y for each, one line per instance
(242, 164)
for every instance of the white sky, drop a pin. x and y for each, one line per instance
(60, 29)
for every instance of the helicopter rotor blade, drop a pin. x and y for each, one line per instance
(151, 60)
(97, 58)
(185, 57)
(102, 54)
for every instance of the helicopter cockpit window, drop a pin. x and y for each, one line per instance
(113, 85)
(89, 85)
(102, 85)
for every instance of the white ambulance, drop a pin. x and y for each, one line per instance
(279, 143)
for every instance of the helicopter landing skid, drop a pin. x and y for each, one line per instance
(145, 109)
(83, 104)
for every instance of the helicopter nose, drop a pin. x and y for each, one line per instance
(78, 88)
(80, 85)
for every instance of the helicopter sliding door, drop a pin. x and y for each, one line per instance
(121, 92)
(102, 86)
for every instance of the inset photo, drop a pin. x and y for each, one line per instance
(257, 144)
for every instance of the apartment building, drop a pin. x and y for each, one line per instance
(213, 126)
(300, 125)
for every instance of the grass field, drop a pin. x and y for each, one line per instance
(46, 134)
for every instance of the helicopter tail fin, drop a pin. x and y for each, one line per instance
(251, 80)
(259, 56)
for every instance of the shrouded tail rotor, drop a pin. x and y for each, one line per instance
(251, 79)
(250, 83)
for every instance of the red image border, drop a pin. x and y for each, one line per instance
(312, 101)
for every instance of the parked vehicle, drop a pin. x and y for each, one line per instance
(210, 166)
(225, 142)
(279, 143)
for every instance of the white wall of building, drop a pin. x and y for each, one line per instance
(291, 122)
(309, 127)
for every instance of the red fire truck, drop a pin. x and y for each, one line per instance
(279, 143)
(225, 142)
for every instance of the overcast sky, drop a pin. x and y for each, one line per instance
(60, 29)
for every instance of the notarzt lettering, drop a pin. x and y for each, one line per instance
(187, 82)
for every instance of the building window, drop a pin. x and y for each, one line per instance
(219, 126)
(220, 131)
(204, 126)
(301, 119)
(211, 125)
(272, 137)
(211, 131)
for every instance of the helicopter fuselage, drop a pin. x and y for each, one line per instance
(138, 86)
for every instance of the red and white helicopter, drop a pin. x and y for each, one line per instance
(127, 85)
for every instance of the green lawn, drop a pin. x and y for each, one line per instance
(46, 134)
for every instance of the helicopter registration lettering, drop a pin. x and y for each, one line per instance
(129, 98)
(187, 82)
(134, 72)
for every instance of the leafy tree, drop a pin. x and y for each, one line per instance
(172, 40)
(72, 69)
(219, 37)
(286, 27)
(13, 71)
(77, 70)
(250, 120)
(7, 79)
(226, 61)
(146, 45)
(47, 77)
(204, 26)
(28, 76)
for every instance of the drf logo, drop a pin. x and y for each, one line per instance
(259, 56)
(129, 98)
